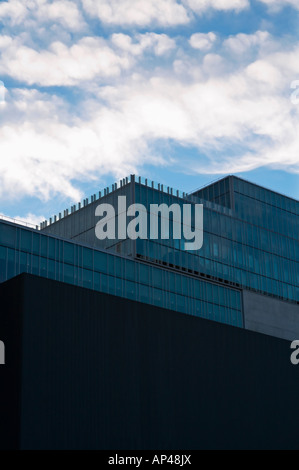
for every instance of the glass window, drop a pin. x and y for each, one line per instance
(68, 252)
(26, 240)
(3, 261)
(181, 307)
(23, 263)
(157, 297)
(97, 281)
(209, 310)
(7, 235)
(143, 293)
(88, 258)
(100, 261)
(35, 243)
(11, 265)
(117, 266)
(197, 307)
(51, 248)
(128, 269)
(178, 283)
(68, 273)
(118, 286)
(35, 265)
(51, 269)
(43, 266)
(157, 277)
(209, 291)
(215, 295)
(87, 278)
(130, 290)
(144, 272)
(217, 313)
(43, 245)
(221, 293)
(186, 288)
(104, 283)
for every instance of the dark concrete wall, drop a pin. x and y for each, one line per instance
(103, 372)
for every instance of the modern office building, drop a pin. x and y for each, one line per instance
(240, 291)
(246, 273)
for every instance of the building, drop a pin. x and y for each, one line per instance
(246, 273)
(239, 291)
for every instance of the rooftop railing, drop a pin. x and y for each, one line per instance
(140, 180)
(18, 221)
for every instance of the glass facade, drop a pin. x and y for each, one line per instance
(250, 233)
(250, 241)
(30, 251)
(253, 244)
(219, 192)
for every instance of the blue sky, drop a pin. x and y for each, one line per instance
(180, 91)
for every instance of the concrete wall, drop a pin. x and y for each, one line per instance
(270, 316)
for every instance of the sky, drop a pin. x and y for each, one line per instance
(182, 92)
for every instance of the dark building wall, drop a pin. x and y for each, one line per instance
(99, 371)
(11, 305)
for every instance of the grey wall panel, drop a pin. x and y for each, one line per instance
(270, 316)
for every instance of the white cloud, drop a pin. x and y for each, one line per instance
(162, 12)
(276, 5)
(137, 12)
(33, 12)
(159, 43)
(249, 107)
(88, 59)
(264, 71)
(202, 41)
(208, 101)
(213, 64)
(60, 65)
(162, 43)
(13, 10)
(67, 13)
(63, 11)
(241, 43)
(47, 147)
(200, 6)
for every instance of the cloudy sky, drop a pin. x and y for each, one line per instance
(180, 91)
